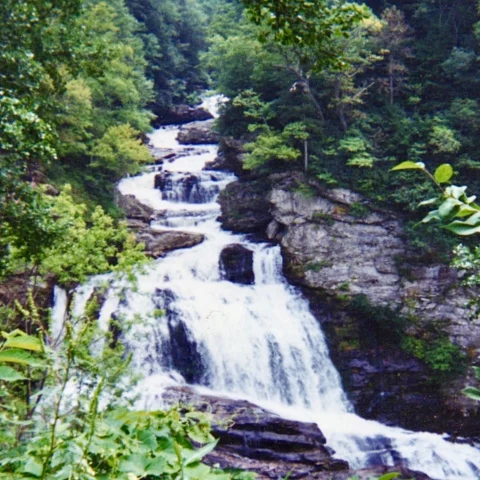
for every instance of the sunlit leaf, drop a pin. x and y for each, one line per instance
(24, 342)
(8, 374)
(443, 173)
(408, 165)
(200, 453)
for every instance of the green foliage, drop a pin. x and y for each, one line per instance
(358, 210)
(66, 414)
(119, 153)
(440, 354)
(306, 24)
(356, 150)
(87, 248)
(379, 325)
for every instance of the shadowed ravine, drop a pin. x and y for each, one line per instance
(251, 341)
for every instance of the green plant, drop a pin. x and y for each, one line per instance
(358, 210)
(317, 266)
(66, 414)
(322, 217)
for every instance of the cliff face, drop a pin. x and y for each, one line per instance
(388, 319)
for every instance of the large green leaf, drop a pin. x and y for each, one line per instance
(389, 476)
(477, 371)
(24, 342)
(8, 374)
(408, 165)
(156, 467)
(33, 467)
(461, 228)
(447, 207)
(200, 453)
(135, 464)
(444, 173)
(472, 392)
(14, 355)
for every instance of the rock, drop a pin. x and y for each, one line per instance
(245, 207)
(253, 438)
(230, 157)
(157, 243)
(198, 133)
(161, 155)
(134, 209)
(236, 264)
(181, 114)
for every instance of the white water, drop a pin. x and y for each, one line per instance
(258, 342)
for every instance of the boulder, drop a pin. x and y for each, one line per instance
(134, 209)
(181, 114)
(245, 208)
(230, 157)
(255, 439)
(236, 264)
(198, 133)
(158, 243)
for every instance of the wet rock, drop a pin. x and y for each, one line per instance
(245, 208)
(253, 438)
(236, 264)
(158, 243)
(187, 187)
(162, 155)
(198, 133)
(134, 209)
(229, 158)
(181, 114)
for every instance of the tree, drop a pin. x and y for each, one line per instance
(309, 26)
(394, 41)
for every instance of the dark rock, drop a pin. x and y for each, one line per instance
(134, 209)
(245, 208)
(181, 114)
(255, 439)
(162, 179)
(187, 187)
(157, 243)
(198, 133)
(230, 157)
(236, 264)
(161, 155)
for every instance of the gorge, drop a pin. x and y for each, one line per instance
(203, 327)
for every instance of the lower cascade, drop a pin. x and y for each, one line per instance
(254, 339)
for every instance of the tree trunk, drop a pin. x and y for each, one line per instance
(339, 105)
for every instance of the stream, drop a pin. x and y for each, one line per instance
(257, 342)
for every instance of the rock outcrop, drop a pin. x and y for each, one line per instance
(245, 208)
(337, 247)
(251, 438)
(198, 133)
(158, 243)
(236, 264)
(181, 114)
(229, 158)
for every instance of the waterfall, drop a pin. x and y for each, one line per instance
(259, 342)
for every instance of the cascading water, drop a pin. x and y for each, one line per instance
(259, 341)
